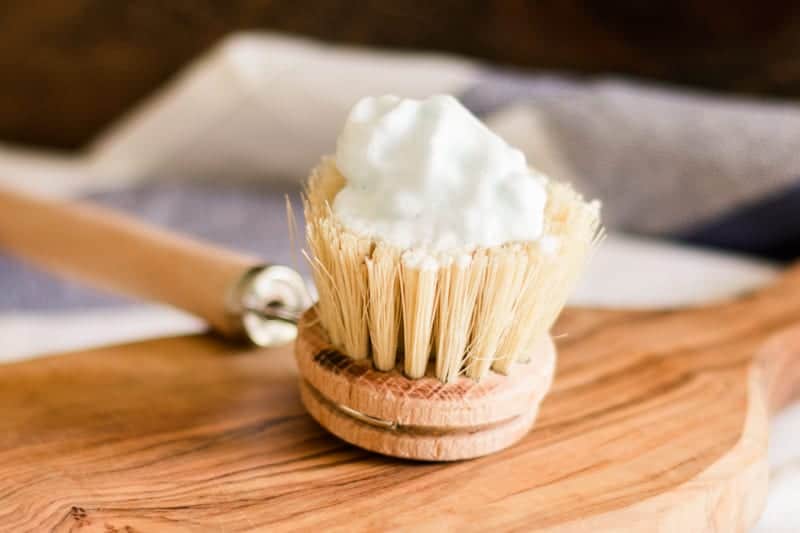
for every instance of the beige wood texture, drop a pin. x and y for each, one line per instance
(657, 422)
(435, 421)
(118, 253)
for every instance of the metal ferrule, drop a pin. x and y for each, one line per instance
(267, 302)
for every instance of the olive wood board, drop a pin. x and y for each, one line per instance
(657, 422)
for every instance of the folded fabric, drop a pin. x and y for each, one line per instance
(706, 169)
(249, 119)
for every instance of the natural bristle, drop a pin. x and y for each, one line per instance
(459, 285)
(471, 312)
(383, 282)
(418, 297)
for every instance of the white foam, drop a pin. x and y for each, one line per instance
(428, 174)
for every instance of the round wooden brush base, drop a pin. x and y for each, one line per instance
(422, 419)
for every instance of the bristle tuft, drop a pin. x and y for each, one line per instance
(384, 306)
(471, 311)
(418, 296)
(459, 285)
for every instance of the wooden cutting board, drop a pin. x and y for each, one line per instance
(657, 422)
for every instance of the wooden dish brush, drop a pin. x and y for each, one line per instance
(434, 357)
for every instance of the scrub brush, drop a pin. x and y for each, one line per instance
(434, 354)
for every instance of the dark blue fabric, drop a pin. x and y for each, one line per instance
(769, 227)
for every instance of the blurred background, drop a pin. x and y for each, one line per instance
(70, 67)
(201, 115)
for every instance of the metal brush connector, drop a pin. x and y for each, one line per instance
(268, 301)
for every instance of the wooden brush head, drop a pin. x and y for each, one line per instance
(483, 312)
(422, 419)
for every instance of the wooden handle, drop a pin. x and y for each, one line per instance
(115, 252)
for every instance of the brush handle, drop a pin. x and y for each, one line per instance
(112, 251)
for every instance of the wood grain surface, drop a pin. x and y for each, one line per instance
(657, 422)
